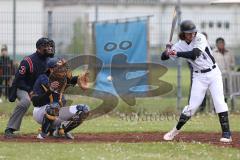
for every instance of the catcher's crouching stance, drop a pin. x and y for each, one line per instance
(49, 103)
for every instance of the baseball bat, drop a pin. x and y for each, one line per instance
(174, 22)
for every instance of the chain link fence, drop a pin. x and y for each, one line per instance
(72, 30)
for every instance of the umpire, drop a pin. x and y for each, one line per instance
(27, 73)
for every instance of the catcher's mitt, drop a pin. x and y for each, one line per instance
(83, 80)
(60, 73)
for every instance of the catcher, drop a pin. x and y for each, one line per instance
(49, 102)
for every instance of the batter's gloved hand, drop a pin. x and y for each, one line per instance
(171, 53)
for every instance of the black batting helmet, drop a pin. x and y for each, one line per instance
(188, 26)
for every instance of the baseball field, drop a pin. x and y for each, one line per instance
(127, 133)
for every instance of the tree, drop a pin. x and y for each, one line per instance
(77, 44)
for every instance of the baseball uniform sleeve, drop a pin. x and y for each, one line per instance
(41, 96)
(21, 76)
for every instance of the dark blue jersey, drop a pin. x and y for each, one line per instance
(42, 93)
(29, 70)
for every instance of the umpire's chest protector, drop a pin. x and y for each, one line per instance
(38, 65)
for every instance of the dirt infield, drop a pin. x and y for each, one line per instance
(210, 138)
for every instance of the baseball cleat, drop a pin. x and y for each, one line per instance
(226, 137)
(226, 140)
(40, 136)
(69, 136)
(9, 133)
(58, 134)
(171, 134)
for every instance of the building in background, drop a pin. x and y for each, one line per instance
(71, 21)
(215, 20)
(29, 24)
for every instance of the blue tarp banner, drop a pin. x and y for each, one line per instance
(129, 38)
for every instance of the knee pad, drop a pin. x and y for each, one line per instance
(83, 108)
(79, 108)
(53, 109)
(184, 118)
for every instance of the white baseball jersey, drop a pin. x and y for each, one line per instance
(210, 79)
(205, 60)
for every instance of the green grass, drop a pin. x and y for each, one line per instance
(164, 103)
(116, 151)
(119, 151)
(171, 77)
(130, 123)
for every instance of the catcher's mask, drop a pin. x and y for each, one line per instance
(47, 45)
(60, 72)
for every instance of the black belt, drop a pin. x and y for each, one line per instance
(206, 70)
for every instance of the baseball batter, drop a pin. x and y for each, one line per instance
(206, 75)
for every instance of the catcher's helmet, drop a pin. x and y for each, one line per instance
(42, 41)
(188, 26)
(52, 62)
(46, 41)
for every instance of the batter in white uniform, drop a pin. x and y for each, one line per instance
(206, 75)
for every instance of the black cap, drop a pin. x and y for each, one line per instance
(220, 39)
(4, 47)
(188, 26)
(52, 62)
(42, 42)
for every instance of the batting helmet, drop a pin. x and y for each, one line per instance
(52, 62)
(188, 26)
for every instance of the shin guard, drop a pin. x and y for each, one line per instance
(182, 120)
(75, 121)
(223, 119)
